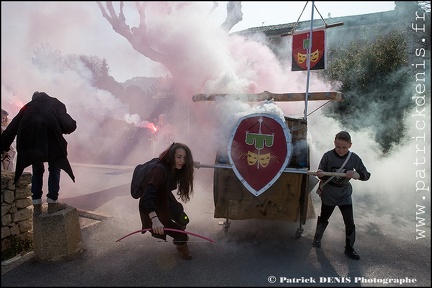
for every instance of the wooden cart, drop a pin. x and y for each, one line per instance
(288, 198)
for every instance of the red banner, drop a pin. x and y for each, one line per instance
(300, 46)
(259, 150)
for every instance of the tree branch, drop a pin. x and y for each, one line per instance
(234, 15)
(215, 5)
(137, 36)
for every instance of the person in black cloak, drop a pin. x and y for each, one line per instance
(39, 127)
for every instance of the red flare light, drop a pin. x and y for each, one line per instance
(150, 126)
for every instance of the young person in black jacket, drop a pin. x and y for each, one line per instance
(337, 190)
(158, 206)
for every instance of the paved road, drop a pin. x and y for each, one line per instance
(251, 253)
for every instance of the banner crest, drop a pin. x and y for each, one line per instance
(259, 150)
(300, 46)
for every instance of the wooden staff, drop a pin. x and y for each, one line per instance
(198, 165)
(266, 95)
(336, 174)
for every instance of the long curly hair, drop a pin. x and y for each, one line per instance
(185, 176)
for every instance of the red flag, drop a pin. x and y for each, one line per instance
(300, 45)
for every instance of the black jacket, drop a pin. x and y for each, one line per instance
(39, 127)
(158, 196)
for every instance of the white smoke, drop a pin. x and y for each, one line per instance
(203, 59)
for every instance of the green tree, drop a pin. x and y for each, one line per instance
(374, 78)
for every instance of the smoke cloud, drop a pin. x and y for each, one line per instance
(41, 43)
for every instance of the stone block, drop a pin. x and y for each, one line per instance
(57, 236)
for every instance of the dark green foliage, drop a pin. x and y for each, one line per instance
(14, 246)
(374, 77)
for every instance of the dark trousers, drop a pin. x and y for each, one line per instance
(347, 214)
(178, 237)
(37, 181)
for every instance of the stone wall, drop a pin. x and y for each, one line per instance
(16, 208)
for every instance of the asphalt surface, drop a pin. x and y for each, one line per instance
(250, 253)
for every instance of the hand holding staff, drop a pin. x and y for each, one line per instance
(349, 174)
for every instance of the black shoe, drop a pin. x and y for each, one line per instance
(316, 243)
(352, 253)
(37, 209)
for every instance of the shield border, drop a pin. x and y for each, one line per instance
(287, 158)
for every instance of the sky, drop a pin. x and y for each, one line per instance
(79, 36)
(204, 60)
(263, 13)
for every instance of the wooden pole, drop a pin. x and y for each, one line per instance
(287, 170)
(314, 96)
(336, 174)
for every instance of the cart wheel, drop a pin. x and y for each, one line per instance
(298, 233)
(226, 225)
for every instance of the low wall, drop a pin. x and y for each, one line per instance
(16, 209)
